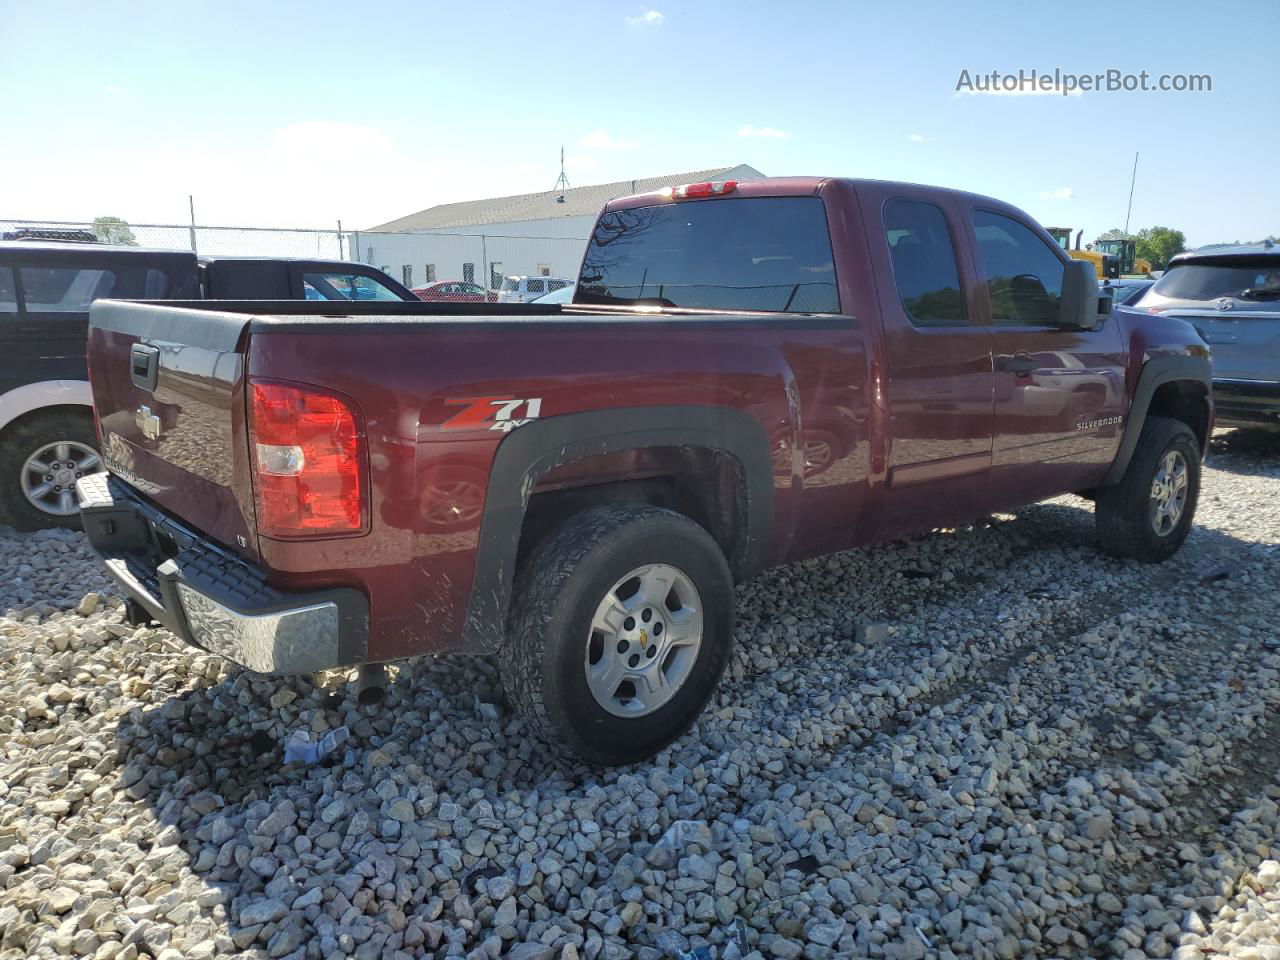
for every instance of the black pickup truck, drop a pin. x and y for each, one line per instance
(47, 437)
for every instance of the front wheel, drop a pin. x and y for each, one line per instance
(1147, 515)
(40, 460)
(622, 623)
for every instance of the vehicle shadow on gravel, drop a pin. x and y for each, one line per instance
(1246, 451)
(969, 614)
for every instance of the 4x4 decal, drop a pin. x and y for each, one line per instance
(493, 413)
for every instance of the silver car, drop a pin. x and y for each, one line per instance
(1232, 295)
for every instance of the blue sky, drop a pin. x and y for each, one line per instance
(303, 113)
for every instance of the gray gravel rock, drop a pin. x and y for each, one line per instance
(992, 741)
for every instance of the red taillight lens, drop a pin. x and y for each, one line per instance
(308, 458)
(713, 188)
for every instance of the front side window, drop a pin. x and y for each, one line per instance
(346, 286)
(1023, 274)
(8, 294)
(769, 254)
(924, 263)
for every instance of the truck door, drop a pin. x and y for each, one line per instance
(937, 367)
(1059, 394)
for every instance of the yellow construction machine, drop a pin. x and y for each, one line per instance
(1106, 264)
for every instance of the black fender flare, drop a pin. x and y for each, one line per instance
(1155, 373)
(532, 450)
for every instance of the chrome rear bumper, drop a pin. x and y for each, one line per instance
(212, 598)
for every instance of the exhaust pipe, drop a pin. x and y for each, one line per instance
(371, 684)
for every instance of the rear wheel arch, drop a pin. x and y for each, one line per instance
(1177, 388)
(700, 433)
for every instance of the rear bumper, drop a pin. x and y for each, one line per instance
(1246, 401)
(212, 598)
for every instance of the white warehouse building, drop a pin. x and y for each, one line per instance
(482, 241)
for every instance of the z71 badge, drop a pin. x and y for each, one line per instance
(493, 413)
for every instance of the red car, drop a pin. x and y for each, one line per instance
(749, 374)
(454, 291)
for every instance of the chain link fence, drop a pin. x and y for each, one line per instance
(416, 259)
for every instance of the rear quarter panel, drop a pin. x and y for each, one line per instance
(417, 384)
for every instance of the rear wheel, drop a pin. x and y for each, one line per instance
(40, 460)
(1148, 514)
(621, 626)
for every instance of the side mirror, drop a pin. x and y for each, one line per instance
(1078, 307)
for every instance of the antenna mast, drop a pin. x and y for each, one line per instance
(562, 182)
(1132, 181)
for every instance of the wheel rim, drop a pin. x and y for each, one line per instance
(1169, 493)
(49, 475)
(644, 640)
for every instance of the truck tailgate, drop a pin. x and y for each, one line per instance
(168, 391)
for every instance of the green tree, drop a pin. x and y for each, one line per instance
(113, 230)
(1157, 245)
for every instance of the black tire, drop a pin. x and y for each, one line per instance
(24, 439)
(1123, 511)
(543, 661)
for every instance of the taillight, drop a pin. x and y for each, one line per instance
(712, 188)
(309, 461)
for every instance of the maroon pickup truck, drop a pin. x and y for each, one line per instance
(750, 373)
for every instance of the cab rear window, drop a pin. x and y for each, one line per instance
(770, 254)
(1243, 279)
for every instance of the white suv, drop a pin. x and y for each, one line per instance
(524, 289)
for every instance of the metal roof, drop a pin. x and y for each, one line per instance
(546, 205)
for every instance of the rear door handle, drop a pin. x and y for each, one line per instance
(144, 366)
(1019, 363)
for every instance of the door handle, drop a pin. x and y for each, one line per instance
(1018, 363)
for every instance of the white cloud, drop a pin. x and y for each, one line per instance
(599, 140)
(1062, 193)
(747, 130)
(918, 138)
(650, 18)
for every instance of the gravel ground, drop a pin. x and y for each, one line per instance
(989, 742)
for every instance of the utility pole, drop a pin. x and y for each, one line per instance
(1132, 181)
(191, 204)
(340, 256)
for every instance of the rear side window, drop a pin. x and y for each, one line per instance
(73, 289)
(924, 263)
(769, 254)
(1023, 274)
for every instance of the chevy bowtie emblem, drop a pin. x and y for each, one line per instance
(1225, 303)
(644, 639)
(148, 423)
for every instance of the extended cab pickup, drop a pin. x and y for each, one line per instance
(750, 373)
